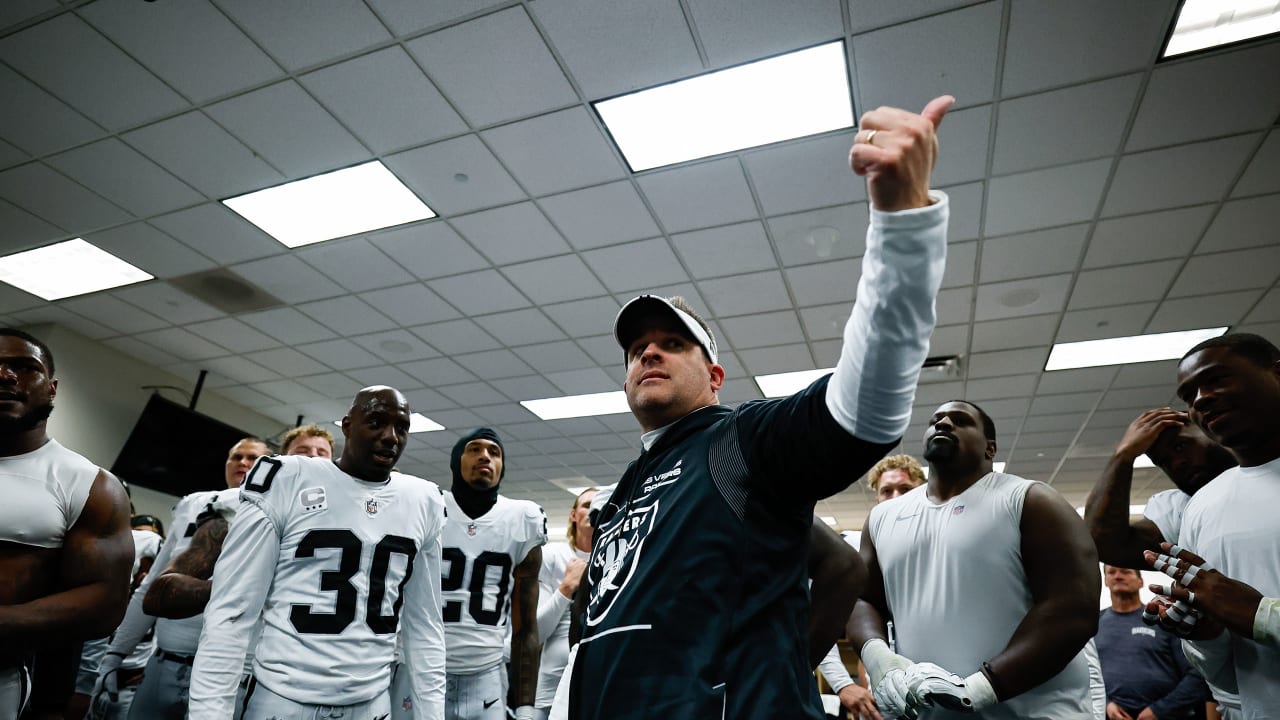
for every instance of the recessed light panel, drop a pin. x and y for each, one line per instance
(337, 204)
(1204, 24)
(1125, 350)
(572, 406)
(788, 383)
(788, 96)
(67, 269)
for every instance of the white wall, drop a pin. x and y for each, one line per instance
(100, 397)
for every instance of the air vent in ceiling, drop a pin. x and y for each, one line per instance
(226, 291)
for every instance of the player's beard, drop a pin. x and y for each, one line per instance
(27, 420)
(940, 453)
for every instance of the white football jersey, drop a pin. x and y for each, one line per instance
(477, 559)
(334, 566)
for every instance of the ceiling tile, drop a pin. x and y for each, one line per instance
(1263, 173)
(1025, 122)
(456, 176)
(520, 327)
(117, 172)
(556, 356)
(554, 279)
(384, 375)
(191, 46)
(961, 258)
(1107, 322)
(636, 266)
(1005, 387)
(966, 210)
(233, 335)
(385, 100)
(868, 14)
(410, 305)
(347, 315)
(1204, 274)
(46, 123)
(456, 336)
(1007, 362)
(1037, 253)
(1183, 175)
(601, 49)
(20, 11)
(1152, 373)
(700, 195)
(555, 152)
(339, 354)
(53, 314)
(1225, 88)
(584, 317)
(473, 394)
(405, 18)
(953, 305)
(334, 385)
(1122, 285)
(807, 174)
(168, 302)
(1044, 198)
(145, 247)
(98, 79)
(494, 68)
(397, 346)
(512, 233)
(1013, 333)
(1034, 296)
(429, 250)
(952, 53)
(288, 278)
(181, 343)
(781, 358)
(825, 322)
(114, 313)
(288, 326)
(762, 330)
(1044, 43)
(1069, 402)
(1142, 238)
(52, 197)
(300, 33)
(579, 382)
(1157, 396)
(829, 282)
(758, 292)
(355, 264)
(480, 292)
(1203, 311)
(736, 31)
(819, 235)
(437, 371)
(493, 364)
(10, 155)
(1242, 224)
(290, 392)
(725, 250)
(290, 129)
(139, 350)
(965, 135)
(236, 370)
(601, 215)
(526, 388)
(204, 155)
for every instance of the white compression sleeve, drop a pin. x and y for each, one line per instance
(887, 337)
(833, 669)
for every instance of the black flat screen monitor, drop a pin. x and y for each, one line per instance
(176, 450)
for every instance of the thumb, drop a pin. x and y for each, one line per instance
(936, 108)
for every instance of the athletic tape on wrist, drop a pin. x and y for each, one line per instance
(997, 690)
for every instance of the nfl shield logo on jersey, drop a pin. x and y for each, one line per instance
(371, 507)
(471, 529)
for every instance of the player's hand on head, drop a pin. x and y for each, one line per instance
(896, 151)
(1143, 432)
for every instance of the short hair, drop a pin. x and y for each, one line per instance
(311, 430)
(249, 439)
(1255, 348)
(577, 502)
(988, 425)
(44, 349)
(1135, 571)
(905, 463)
(139, 520)
(680, 303)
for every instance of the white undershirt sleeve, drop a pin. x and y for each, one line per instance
(833, 669)
(887, 337)
(551, 606)
(422, 630)
(137, 623)
(241, 581)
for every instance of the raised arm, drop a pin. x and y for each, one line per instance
(94, 574)
(182, 589)
(241, 580)
(838, 576)
(422, 631)
(526, 648)
(1106, 511)
(555, 598)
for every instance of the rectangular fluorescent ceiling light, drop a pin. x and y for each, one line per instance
(801, 93)
(1142, 461)
(788, 383)
(337, 204)
(417, 423)
(66, 269)
(1125, 350)
(572, 406)
(1204, 24)
(829, 519)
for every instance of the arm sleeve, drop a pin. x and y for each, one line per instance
(1097, 687)
(552, 606)
(886, 339)
(241, 580)
(1190, 691)
(423, 631)
(136, 623)
(833, 669)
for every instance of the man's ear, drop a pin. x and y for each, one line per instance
(991, 450)
(53, 388)
(717, 377)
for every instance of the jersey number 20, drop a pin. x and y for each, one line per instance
(339, 581)
(479, 573)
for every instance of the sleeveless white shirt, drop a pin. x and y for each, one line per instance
(44, 493)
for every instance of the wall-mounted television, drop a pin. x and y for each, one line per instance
(176, 450)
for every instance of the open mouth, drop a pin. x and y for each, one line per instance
(385, 457)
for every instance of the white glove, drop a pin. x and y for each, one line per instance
(887, 672)
(524, 712)
(108, 677)
(937, 685)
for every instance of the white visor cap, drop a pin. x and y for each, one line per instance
(638, 308)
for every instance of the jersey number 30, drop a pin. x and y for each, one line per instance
(339, 581)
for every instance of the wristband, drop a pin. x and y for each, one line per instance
(997, 690)
(524, 712)
(981, 690)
